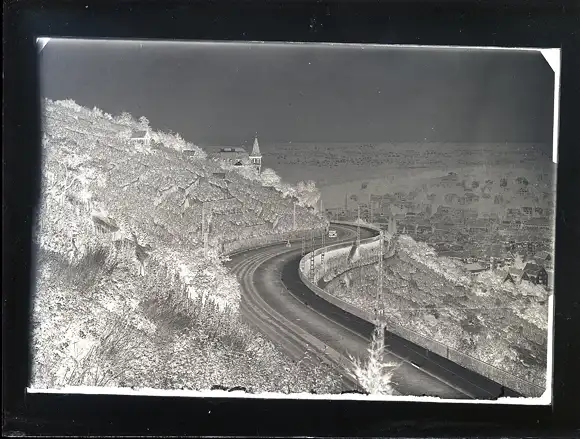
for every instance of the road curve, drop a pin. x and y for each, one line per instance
(277, 302)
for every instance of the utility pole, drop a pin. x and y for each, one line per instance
(294, 218)
(322, 256)
(358, 227)
(380, 304)
(203, 229)
(371, 208)
(303, 245)
(312, 256)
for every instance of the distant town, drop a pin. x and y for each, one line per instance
(482, 241)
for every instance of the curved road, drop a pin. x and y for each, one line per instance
(277, 302)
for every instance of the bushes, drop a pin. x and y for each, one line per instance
(108, 359)
(374, 375)
(97, 262)
(96, 322)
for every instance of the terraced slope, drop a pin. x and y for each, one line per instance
(126, 294)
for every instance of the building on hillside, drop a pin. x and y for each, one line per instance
(535, 274)
(475, 268)
(514, 275)
(235, 156)
(542, 257)
(238, 156)
(142, 137)
(256, 156)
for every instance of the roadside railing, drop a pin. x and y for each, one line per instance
(262, 241)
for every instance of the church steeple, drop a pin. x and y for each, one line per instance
(256, 148)
(256, 155)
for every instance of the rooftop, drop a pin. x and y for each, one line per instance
(233, 149)
(532, 268)
(256, 149)
(474, 267)
(515, 271)
(139, 134)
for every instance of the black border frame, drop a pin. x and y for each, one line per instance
(533, 24)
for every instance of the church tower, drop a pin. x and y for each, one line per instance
(256, 156)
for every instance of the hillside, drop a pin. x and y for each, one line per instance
(502, 324)
(126, 294)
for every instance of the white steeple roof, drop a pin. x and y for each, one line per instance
(256, 149)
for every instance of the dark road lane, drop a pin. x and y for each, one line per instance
(275, 300)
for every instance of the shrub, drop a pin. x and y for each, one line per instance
(374, 375)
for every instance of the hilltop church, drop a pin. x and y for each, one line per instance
(238, 156)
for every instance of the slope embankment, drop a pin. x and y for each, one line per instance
(131, 289)
(433, 304)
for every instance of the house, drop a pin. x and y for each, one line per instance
(219, 175)
(535, 274)
(475, 268)
(142, 137)
(542, 257)
(238, 156)
(538, 223)
(513, 275)
(234, 156)
(477, 225)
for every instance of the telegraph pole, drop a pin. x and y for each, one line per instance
(358, 227)
(294, 217)
(370, 208)
(203, 228)
(380, 303)
(322, 256)
(312, 256)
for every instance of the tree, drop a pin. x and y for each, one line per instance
(307, 193)
(270, 178)
(144, 122)
(374, 375)
(125, 118)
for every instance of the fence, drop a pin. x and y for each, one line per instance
(262, 241)
(494, 373)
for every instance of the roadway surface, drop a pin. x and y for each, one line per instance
(279, 304)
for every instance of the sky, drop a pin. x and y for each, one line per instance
(224, 93)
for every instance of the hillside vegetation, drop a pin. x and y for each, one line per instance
(499, 323)
(125, 293)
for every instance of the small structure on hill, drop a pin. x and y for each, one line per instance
(542, 257)
(535, 274)
(256, 156)
(238, 156)
(514, 275)
(142, 137)
(234, 156)
(474, 268)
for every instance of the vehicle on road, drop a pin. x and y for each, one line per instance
(332, 234)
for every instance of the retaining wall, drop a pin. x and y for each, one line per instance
(262, 241)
